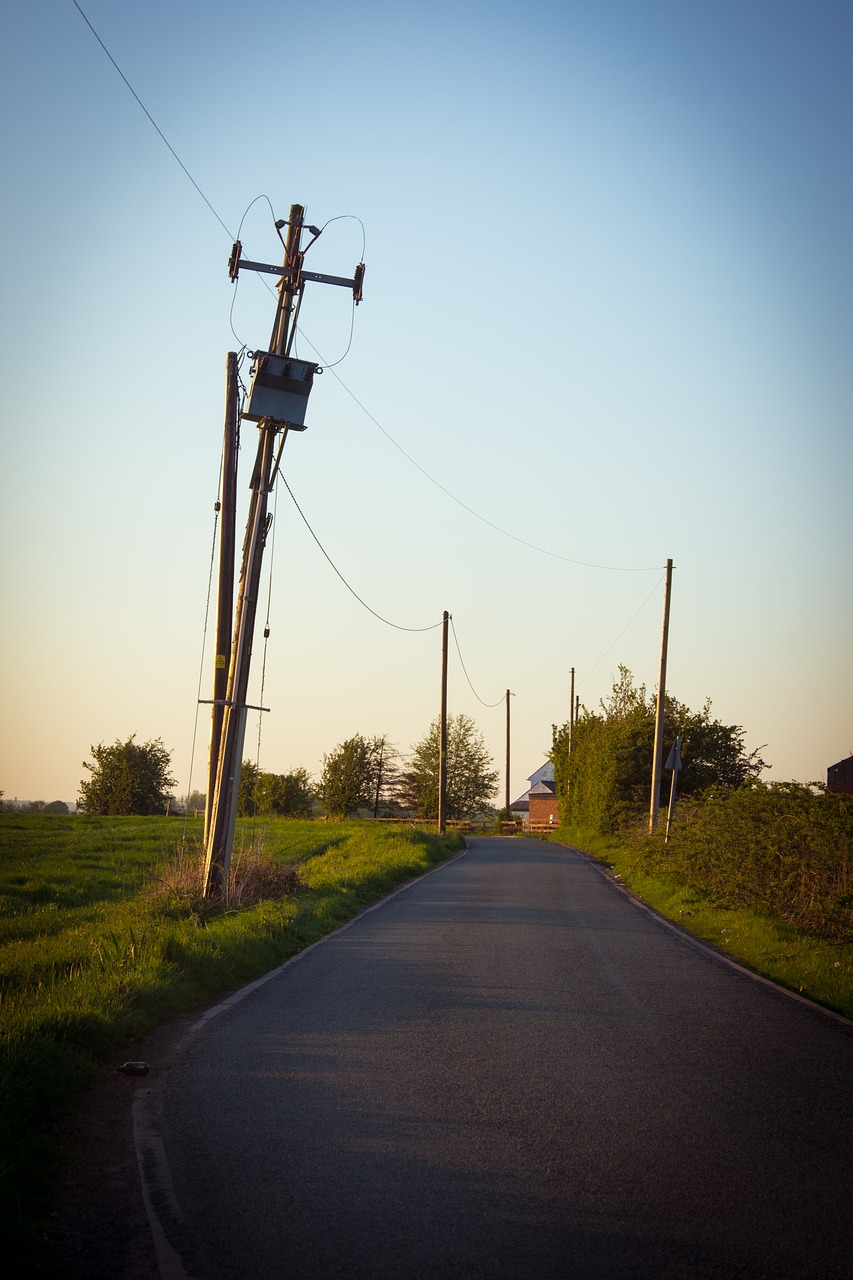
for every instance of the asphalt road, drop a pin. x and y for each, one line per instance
(510, 1070)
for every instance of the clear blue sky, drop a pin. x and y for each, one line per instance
(607, 305)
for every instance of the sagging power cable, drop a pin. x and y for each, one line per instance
(490, 705)
(351, 590)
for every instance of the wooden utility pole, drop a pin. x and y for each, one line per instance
(223, 815)
(277, 401)
(657, 758)
(508, 696)
(442, 732)
(225, 594)
(572, 713)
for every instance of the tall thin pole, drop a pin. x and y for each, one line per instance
(673, 786)
(572, 712)
(280, 341)
(442, 733)
(225, 594)
(223, 814)
(657, 759)
(221, 810)
(508, 696)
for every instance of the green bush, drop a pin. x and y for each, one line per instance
(605, 781)
(779, 847)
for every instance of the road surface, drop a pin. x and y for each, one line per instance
(509, 1070)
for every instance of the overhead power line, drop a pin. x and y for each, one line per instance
(490, 705)
(624, 629)
(351, 590)
(151, 119)
(532, 546)
(556, 555)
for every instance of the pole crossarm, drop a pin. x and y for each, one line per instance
(223, 702)
(295, 275)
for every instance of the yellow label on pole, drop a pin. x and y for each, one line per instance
(220, 661)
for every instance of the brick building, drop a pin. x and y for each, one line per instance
(839, 777)
(543, 804)
(539, 802)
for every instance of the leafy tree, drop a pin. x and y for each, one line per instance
(39, 806)
(127, 778)
(604, 783)
(471, 779)
(347, 782)
(246, 803)
(189, 804)
(284, 795)
(384, 773)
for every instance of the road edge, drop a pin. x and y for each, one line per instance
(699, 944)
(162, 1208)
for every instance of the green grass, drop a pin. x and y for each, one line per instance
(816, 967)
(100, 941)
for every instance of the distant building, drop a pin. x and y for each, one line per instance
(539, 803)
(542, 799)
(839, 777)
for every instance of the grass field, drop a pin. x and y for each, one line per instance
(815, 967)
(103, 937)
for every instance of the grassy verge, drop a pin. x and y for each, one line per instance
(103, 937)
(815, 967)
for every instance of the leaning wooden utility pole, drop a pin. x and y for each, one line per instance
(277, 402)
(657, 758)
(225, 594)
(442, 732)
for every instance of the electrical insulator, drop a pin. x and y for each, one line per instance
(357, 282)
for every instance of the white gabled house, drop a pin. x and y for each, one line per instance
(538, 805)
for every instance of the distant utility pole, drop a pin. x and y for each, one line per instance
(442, 732)
(657, 759)
(509, 695)
(277, 401)
(572, 713)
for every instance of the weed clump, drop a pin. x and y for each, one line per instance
(254, 875)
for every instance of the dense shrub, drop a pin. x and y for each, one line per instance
(779, 847)
(605, 782)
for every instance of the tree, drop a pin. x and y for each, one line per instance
(348, 777)
(127, 778)
(56, 806)
(284, 795)
(246, 803)
(196, 800)
(384, 773)
(605, 782)
(471, 780)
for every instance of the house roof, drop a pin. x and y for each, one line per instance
(543, 788)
